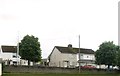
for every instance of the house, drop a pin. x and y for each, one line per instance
(68, 56)
(9, 56)
(44, 62)
(25, 62)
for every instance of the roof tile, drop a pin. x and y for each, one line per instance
(74, 50)
(12, 49)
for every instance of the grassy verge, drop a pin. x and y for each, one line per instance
(56, 74)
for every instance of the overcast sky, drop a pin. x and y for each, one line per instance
(59, 22)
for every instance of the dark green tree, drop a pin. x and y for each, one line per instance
(30, 49)
(106, 54)
(118, 57)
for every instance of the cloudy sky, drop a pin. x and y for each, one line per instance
(59, 22)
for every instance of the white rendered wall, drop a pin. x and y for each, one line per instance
(58, 59)
(55, 58)
(86, 56)
(7, 56)
(71, 58)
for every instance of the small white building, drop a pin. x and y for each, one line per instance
(68, 56)
(44, 62)
(8, 54)
(25, 62)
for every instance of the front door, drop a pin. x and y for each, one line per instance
(66, 63)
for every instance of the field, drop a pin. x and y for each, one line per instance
(55, 74)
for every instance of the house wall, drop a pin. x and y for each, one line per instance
(55, 58)
(23, 62)
(59, 59)
(68, 60)
(9, 56)
(86, 57)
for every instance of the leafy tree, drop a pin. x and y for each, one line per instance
(118, 56)
(30, 49)
(106, 54)
(98, 57)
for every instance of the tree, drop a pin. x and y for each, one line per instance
(106, 54)
(30, 49)
(118, 56)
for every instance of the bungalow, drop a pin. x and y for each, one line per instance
(68, 56)
(8, 54)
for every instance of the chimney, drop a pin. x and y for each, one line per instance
(70, 46)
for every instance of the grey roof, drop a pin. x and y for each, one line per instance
(11, 49)
(71, 50)
(74, 50)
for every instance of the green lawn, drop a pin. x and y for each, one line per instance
(55, 74)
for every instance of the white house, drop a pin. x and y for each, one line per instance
(8, 54)
(68, 56)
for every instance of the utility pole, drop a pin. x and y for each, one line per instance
(18, 50)
(119, 23)
(79, 54)
(18, 53)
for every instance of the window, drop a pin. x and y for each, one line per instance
(81, 55)
(14, 56)
(87, 56)
(14, 62)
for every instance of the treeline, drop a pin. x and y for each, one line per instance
(108, 54)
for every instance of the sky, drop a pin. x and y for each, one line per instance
(59, 22)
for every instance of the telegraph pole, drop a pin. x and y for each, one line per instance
(79, 54)
(119, 23)
(18, 50)
(18, 53)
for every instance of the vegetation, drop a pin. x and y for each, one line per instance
(106, 54)
(30, 49)
(118, 56)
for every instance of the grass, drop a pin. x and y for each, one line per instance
(56, 74)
